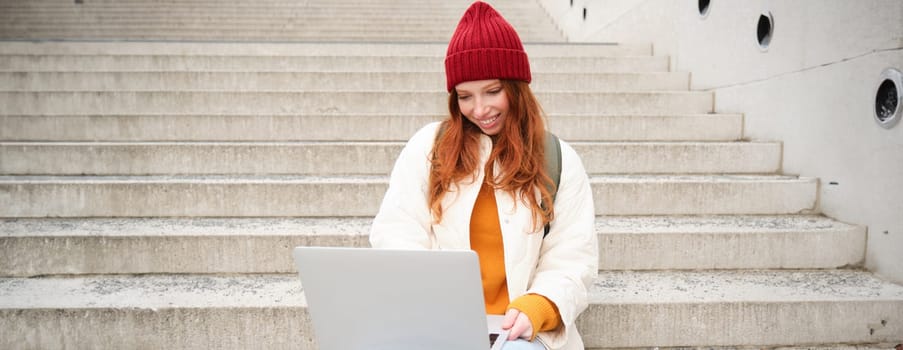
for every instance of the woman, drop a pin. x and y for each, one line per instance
(477, 181)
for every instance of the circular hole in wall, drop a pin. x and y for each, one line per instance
(704, 7)
(887, 98)
(765, 29)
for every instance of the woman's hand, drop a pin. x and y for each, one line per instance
(518, 325)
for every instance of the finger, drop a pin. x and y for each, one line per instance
(510, 317)
(528, 326)
(519, 327)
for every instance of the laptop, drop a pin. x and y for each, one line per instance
(374, 299)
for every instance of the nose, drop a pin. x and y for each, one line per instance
(480, 109)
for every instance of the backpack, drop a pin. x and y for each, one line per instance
(553, 167)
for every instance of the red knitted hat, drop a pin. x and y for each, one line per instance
(484, 46)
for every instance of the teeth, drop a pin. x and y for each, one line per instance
(489, 121)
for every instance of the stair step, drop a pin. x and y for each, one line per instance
(357, 102)
(167, 245)
(292, 14)
(872, 346)
(35, 247)
(303, 49)
(220, 63)
(746, 308)
(46, 17)
(364, 158)
(178, 311)
(639, 127)
(137, 18)
(188, 196)
(187, 8)
(627, 309)
(456, 6)
(319, 81)
(255, 196)
(226, 32)
(301, 12)
(279, 26)
(294, 25)
(702, 194)
(249, 22)
(235, 35)
(680, 157)
(345, 127)
(727, 242)
(310, 3)
(154, 18)
(198, 158)
(239, 11)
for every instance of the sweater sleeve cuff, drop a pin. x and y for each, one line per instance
(543, 314)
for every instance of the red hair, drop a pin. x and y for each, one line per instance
(519, 150)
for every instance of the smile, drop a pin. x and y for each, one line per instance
(489, 121)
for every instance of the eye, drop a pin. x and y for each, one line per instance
(463, 97)
(495, 91)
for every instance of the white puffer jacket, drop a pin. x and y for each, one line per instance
(560, 266)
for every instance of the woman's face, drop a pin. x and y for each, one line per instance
(484, 103)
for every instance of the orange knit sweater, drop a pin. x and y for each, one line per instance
(486, 240)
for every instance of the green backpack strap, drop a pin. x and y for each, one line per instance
(553, 168)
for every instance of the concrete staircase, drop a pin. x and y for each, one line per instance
(151, 192)
(264, 20)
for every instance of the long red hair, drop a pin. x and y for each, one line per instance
(519, 150)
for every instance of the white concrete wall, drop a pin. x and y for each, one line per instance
(813, 89)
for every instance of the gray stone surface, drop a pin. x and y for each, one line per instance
(715, 224)
(628, 309)
(208, 127)
(870, 346)
(304, 49)
(368, 102)
(325, 196)
(728, 242)
(319, 81)
(352, 158)
(153, 292)
(50, 246)
(345, 127)
(32, 247)
(254, 21)
(764, 308)
(679, 157)
(158, 158)
(232, 35)
(161, 227)
(670, 287)
(269, 63)
(155, 312)
(181, 196)
(702, 194)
